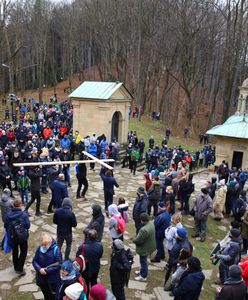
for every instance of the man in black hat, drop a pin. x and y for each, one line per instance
(229, 255)
(140, 206)
(234, 287)
(203, 206)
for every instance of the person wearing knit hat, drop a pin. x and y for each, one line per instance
(140, 206)
(120, 267)
(75, 291)
(219, 201)
(229, 255)
(191, 282)
(202, 207)
(145, 244)
(65, 220)
(99, 292)
(234, 287)
(182, 244)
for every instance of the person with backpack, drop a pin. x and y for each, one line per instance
(161, 223)
(202, 207)
(68, 276)
(65, 219)
(88, 259)
(109, 182)
(47, 263)
(153, 197)
(120, 267)
(145, 245)
(117, 225)
(17, 225)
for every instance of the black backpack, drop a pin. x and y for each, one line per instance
(18, 232)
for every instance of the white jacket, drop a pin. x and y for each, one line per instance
(170, 235)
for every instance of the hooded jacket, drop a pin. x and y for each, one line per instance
(113, 222)
(43, 260)
(6, 205)
(190, 286)
(97, 223)
(65, 218)
(140, 206)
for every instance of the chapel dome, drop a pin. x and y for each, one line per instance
(245, 83)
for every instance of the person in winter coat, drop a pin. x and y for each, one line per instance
(170, 200)
(60, 190)
(47, 262)
(234, 287)
(81, 175)
(120, 268)
(202, 207)
(140, 206)
(6, 204)
(75, 291)
(92, 149)
(23, 184)
(47, 132)
(145, 245)
(239, 207)
(134, 159)
(15, 216)
(229, 255)
(161, 223)
(108, 187)
(65, 142)
(69, 276)
(35, 173)
(171, 232)
(190, 285)
(65, 156)
(148, 183)
(92, 250)
(123, 208)
(186, 188)
(183, 247)
(244, 231)
(5, 176)
(113, 222)
(53, 172)
(97, 222)
(244, 266)
(153, 197)
(99, 292)
(219, 200)
(65, 220)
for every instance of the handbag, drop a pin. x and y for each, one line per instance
(6, 246)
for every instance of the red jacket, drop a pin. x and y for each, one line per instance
(244, 266)
(148, 182)
(11, 135)
(63, 130)
(47, 133)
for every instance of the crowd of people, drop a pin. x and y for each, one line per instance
(47, 137)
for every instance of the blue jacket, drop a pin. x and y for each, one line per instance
(140, 206)
(65, 220)
(92, 149)
(60, 192)
(93, 251)
(175, 251)
(52, 175)
(65, 143)
(108, 182)
(161, 222)
(190, 286)
(43, 260)
(13, 215)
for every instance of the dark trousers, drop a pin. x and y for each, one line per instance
(133, 166)
(35, 195)
(160, 249)
(92, 166)
(126, 159)
(19, 254)
(91, 281)
(49, 290)
(170, 270)
(224, 272)
(68, 240)
(51, 203)
(84, 182)
(201, 227)
(108, 199)
(118, 291)
(185, 199)
(155, 208)
(44, 183)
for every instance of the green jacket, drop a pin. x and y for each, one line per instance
(135, 155)
(145, 240)
(23, 183)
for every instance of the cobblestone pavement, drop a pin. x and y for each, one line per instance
(14, 287)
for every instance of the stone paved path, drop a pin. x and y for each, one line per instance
(11, 285)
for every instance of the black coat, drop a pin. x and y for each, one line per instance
(119, 267)
(232, 291)
(35, 174)
(97, 223)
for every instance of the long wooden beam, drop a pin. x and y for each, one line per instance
(67, 162)
(101, 162)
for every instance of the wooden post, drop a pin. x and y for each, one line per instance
(68, 162)
(101, 162)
